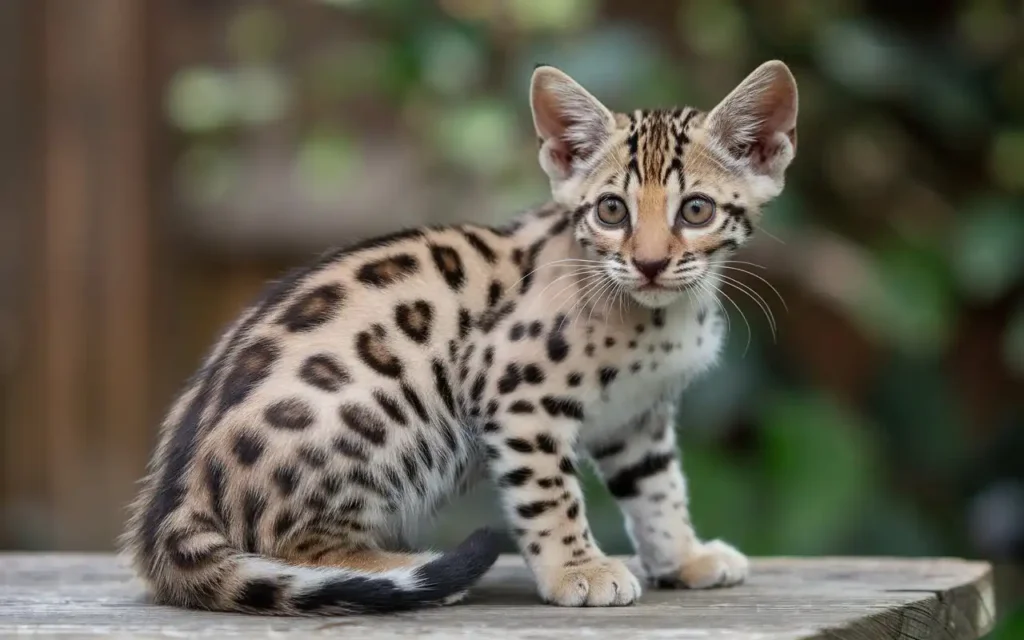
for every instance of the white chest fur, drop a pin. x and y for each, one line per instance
(664, 361)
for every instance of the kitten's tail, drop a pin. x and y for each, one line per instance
(250, 583)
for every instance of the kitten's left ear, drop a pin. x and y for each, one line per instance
(756, 123)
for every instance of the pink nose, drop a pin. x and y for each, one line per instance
(650, 268)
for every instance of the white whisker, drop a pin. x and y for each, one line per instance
(576, 275)
(578, 285)
(593, 297)
(582, 292)
(756, 297)
(752, 264)
(750, 273)
(743, 316)
(550, 264)
(712, 291)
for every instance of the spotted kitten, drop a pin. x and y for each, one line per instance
(361, 392)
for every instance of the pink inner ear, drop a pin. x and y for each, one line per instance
(552, 125)
(776, 108)
(771, 110)
(550, 121)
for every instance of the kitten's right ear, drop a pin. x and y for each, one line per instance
(572, 124)
(756, 124)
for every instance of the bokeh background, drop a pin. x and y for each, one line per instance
(159, 160)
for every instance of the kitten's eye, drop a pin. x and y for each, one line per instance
(612, 211)
(697, 210)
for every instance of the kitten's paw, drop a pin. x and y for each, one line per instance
(603, 582)
(711, 564)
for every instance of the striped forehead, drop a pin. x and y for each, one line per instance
(656, 143)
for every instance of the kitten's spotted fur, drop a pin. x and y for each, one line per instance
(361, 392)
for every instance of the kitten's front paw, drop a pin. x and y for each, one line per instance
(711, 564)
(602, 582)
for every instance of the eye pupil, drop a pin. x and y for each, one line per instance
(611, 211)
(698, 210)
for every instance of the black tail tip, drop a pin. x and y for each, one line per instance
(459, 568)
(484, 545)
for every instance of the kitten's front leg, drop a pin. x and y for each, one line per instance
(530, 455)
(643, 473)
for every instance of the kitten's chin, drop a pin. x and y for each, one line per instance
(655, 299)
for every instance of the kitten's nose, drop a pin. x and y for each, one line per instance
(650, 268)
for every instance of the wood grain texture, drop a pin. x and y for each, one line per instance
(80, 595)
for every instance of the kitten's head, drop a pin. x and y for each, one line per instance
(662, 197)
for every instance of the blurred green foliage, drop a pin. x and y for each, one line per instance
(911, 165)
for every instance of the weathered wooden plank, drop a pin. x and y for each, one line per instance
(78, 595)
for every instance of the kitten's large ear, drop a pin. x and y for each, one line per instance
(756, 123)
(571, 124)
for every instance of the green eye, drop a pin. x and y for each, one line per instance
(697, 211)
(612, 211)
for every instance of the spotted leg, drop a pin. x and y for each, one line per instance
(530, 453)
(643, 472)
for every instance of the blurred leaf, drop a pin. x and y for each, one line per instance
(662, 83)
(452, 62)
(559, 15)
(613, 63)
(986, 27)
(790, 23)
(921, 420)
(206, 173)
(325, 161)
(784, 214)
(263, 95)
(1009, 86)
(987, 256)
(912, 308)
(200, 99)
(866, 157)
(717, 398)
(863, 57)
(945, 97)
(255, 33)
(892, 526)
(883, 63)
(479, 136)
(1013, 342)
(714, 28)
(821, 467)
(346, 4)
(400, 72)
(1007, 160)
(723, 497)
(1011, 626)
(338, 72)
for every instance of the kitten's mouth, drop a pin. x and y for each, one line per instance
(653, 287)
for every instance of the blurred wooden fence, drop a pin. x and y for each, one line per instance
(106, 303)
(79, 81)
